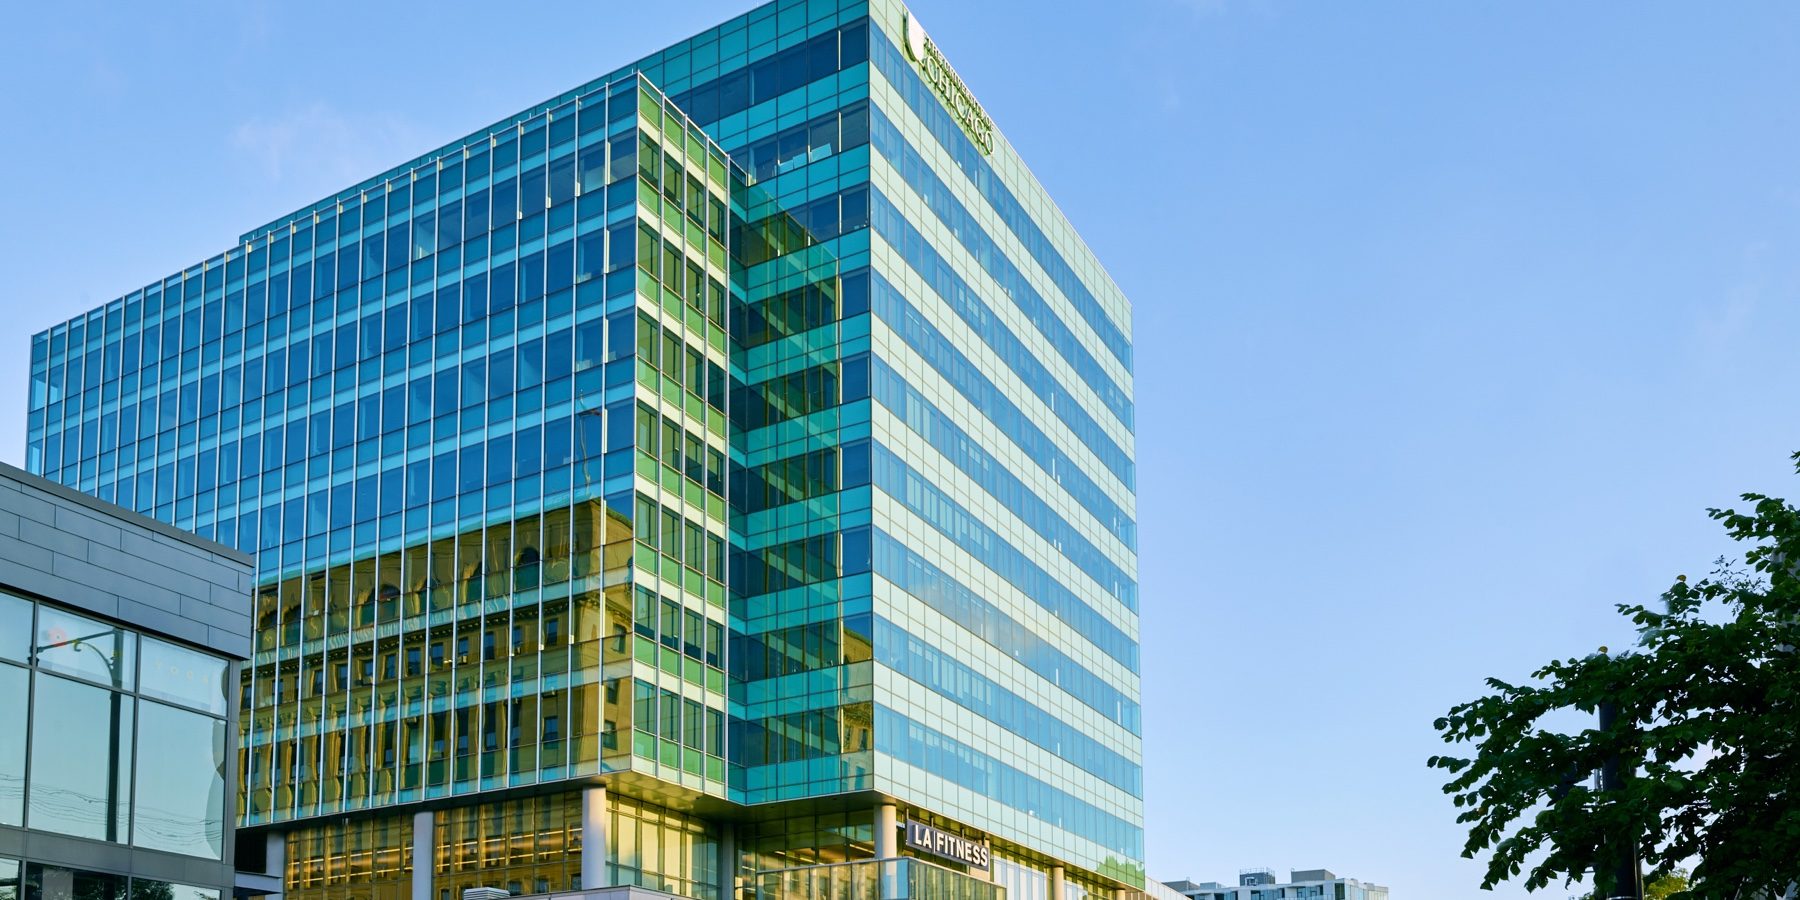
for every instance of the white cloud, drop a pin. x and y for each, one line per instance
(317, 143)
(1725, 322)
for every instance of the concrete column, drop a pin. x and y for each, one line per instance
(593, 838)
(1056, 883)
(424, 848)
(887, 823)
(275, 856)
(728, 861)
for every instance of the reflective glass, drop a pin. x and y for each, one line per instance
(15, 685)
(44, 882)
(184, 676)
(9, 879)
(529, 844)
(85, 648)
(146, 889)
(375, 849)
(80, 760)
(15, 627)
(181, 783)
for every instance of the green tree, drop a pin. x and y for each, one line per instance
(1661, 887)
(1708, 731)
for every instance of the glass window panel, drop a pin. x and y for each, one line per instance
(80, 760)
(58, 883)
(15, 628)
(146, 889)
(184, 676)
(15, 684)
(181, 785)
(85, 648)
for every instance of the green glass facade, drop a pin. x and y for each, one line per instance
(745, 431)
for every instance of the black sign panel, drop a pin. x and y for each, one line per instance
(938, 842)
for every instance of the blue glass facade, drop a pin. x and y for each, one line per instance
(741, 429)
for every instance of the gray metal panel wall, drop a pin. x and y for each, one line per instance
(79, 552)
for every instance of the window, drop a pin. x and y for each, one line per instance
(183, 676)
(180, 786)
(15, 686)
(85, 648)
(80, 769)
(15, 628)
(671, 716)
(671, 624)
(690, 731)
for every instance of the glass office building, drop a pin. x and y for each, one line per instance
(686, 482)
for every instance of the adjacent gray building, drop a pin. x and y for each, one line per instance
(1302, 884)
(120, 645)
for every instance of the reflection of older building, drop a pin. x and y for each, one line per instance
(676, 490)
(119, 646)
(500, 653)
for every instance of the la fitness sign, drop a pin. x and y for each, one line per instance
(940, 843)
(937, 72)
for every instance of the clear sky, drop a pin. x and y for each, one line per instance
(1451, 318)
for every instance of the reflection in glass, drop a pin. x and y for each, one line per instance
(57, 883)
(15, 683)
(15, 628)
(80, 760)
(9, 879)
(146, 889)
(85, 648)
(184, 676)
(181, 785)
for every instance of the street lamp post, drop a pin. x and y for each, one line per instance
(115, 713)
(1621, 850)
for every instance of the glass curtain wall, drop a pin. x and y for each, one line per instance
(528, 583)
(800, 650)
(526, 846)
(424, 401)
(359, 859)
(126, 732)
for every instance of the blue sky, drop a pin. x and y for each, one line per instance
(1451, 318)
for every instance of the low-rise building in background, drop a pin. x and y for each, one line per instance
(1302, 884)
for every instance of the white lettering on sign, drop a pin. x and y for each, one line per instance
(941, 843)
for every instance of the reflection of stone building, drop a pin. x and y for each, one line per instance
(429, 649)
(119, 646)
(483, 660)
(664, 489)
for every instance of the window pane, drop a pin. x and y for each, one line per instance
(185, 676)
(15, 628)
(15, 683)
(57, 883)
(85, 648)
(145, 889)
(181, 788)
(9, 879)
(80, 762)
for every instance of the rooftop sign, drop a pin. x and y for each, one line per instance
(943, 79)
